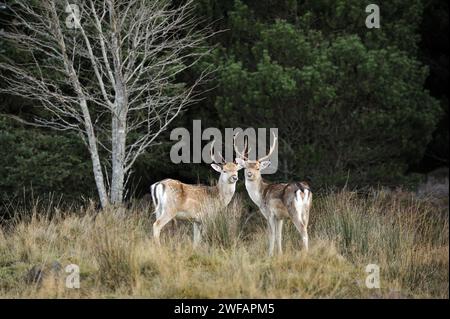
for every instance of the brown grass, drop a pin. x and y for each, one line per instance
(405, 236)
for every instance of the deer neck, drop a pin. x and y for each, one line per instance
(226, 191)
(255, 190)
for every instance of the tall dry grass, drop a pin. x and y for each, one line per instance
(405, 236)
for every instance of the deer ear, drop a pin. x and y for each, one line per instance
(240, 162)
(216, 167)
(264, 165)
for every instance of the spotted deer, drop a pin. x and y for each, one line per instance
(176, 200)
(276, 201)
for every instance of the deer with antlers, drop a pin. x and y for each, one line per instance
(276, 201)
(175, 200)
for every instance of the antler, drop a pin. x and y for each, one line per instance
(272, 148)
(211, 153)
(245, 151)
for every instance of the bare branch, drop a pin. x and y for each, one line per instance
(114, 74)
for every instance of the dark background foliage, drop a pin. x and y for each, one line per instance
(353, 105)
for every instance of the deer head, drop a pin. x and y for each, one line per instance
(253, 168)
(228, 170)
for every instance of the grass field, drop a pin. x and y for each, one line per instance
(406, 237)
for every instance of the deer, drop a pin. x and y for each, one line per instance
(174, 200)
(276, 201)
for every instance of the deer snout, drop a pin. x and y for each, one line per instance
(248, 174)
(233, 178)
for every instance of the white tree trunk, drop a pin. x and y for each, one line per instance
(93, 150)
(120, 58)
(118, 158)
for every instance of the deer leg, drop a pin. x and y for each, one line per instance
(173, 227)
(272, 234)
(302, 229)
(300, 215)
(197, 233)
(306, 207)
(156, 211)
(279, 232)
(160, 222)
(305, 238)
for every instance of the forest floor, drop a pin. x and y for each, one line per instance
(405, 236)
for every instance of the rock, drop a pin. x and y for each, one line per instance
(38, 272)
(436, 185)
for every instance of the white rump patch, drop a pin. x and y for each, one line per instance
(301, 203)
(160, 198)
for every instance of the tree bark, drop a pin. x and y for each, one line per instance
(119, 53)
(118, 157)
(89, 129)
(119, 115)
(93, 150)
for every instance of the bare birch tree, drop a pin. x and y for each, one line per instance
(106, 69)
